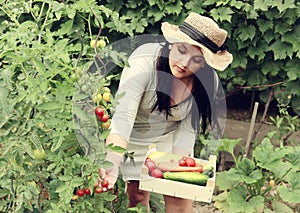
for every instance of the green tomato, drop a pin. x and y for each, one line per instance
(39, 154)
(101, 43)
(92, 43)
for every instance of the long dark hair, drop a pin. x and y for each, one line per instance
(201, 107)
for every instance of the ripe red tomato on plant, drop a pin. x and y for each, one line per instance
(98, 190)
(80, 192)
(104, 183)
(99, 111)
(87, 191)
(190, 162)
(103, 118)
(157, 173)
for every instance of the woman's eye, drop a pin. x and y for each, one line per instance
(181, 50)
(198, 60)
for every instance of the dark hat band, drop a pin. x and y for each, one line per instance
(199, 37)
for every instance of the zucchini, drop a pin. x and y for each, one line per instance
(187, 177)
(209, 172)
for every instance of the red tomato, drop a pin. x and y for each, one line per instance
(104, 183)
(190, 162)
(98, 190)
(80, 192)
(150, 165)
(181, 162)
(184, 158)
(148, 159)
(157, 173)
(87, 191)
(99, 111)
(103, 118)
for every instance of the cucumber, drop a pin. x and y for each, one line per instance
(187, 177)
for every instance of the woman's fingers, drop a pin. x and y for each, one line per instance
(108, 175)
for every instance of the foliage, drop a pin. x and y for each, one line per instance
(267, 182)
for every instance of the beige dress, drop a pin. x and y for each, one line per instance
(134, 121)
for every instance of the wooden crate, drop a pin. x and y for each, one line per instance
(175, 188)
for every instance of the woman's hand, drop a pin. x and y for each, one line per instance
(110, 175)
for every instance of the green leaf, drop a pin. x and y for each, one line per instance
(264, 25)
(271, 67)
(221, 201)
(284, 5)
(172, 7)
(263, 5)
(281, 50)
(292, 37)
(296, 104)
(49, 106)
(268, 158)
(291, 194)
(258, 50)
(246, 32)
(224, 181)
(293, 86)
(245, 172)
(228, 145)
(239, 202)
(222, 14)
(156, 13)
(281, 207)
(115, 148)
(57, 143)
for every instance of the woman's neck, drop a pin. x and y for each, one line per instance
(181, 90)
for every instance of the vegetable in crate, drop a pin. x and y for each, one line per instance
(187, 177)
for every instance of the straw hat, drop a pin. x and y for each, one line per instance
(203, 32)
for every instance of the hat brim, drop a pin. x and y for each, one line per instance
(218, 61)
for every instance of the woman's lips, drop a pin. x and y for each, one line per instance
(180, 69)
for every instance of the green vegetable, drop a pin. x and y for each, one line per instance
(187, 177)
(209, 172)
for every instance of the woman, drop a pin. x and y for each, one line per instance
(168, 90)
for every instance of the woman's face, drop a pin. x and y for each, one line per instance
(185, 59)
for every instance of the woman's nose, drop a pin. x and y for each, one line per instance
(185, 61)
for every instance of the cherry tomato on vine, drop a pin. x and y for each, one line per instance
(87, 191)
(104, 183)
(98, 190)
(271, 183)
(106, 96)
(80, 192)
(103, 118)
(99, 111)
(105, 125)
